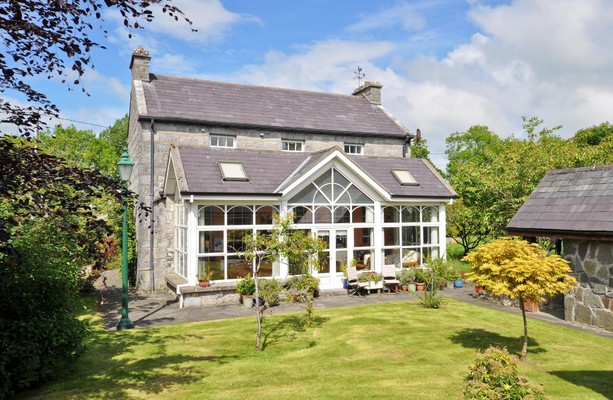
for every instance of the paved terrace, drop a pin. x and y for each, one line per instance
(147, 310)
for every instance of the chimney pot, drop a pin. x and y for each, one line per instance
(370, 90)
(139, 64)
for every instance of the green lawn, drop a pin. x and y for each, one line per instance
(393, 351)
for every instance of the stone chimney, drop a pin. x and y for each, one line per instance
(370, 90)
(139, 64)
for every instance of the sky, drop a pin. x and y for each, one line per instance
(445, 65)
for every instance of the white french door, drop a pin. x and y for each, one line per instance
(333, 257)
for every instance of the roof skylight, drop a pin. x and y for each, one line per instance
(232, 171)
(404, 177)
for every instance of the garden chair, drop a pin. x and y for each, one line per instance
(390, 283)
(410, 259)
(353, 284)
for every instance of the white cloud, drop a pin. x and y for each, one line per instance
(325, 66)
(403, 14)
(97, 84)
(531, 58)
(173, 64)
(209, 17)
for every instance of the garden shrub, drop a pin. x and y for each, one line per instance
(40, 334)
(493, 376)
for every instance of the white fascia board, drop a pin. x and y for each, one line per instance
(328, 162)
(419, 200)
(175, 175)
(170, 179)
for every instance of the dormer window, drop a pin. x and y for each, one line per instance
(356, 149)
(232, 171)
(404, 177)
(222, 141)
(292, 145)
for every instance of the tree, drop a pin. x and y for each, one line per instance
(81, 148)
(495, 176)
(519, 270)
(420, 149)
(465, 225)
(84, 149)
(49, 230)
(593, 136)
(117, 135)
(54, 39)
(478, 145)
(283, 243)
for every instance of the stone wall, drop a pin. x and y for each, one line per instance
(591, 303)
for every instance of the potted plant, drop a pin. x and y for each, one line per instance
(420, 279)
(205, 278)
(372, 278)
(406, 277)
(246, 288)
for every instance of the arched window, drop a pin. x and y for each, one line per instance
(210, 215)
(240, 215)
(331, 188)
(429, 214)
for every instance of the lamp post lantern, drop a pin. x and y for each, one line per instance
(125, 166)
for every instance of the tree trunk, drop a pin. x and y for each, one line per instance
(524, 349)
(258, 308)
(259, 311)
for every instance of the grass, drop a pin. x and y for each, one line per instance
(391, 350)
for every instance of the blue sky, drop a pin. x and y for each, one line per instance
(445, 64)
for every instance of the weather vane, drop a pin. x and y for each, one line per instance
(359, 75)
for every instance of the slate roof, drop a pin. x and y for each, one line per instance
(431, 184)
(267, 171)
(231, 104)
(568, 203)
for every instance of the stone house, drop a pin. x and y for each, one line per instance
(575, 207)
(216, 160)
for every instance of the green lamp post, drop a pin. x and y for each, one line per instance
(125, 166)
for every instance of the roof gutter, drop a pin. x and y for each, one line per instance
(579, 235)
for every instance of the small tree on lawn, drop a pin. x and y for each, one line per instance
(283, 242)
(519, 270)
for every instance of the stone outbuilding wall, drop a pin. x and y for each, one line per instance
(591, 303)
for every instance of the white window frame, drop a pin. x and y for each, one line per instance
(232, 171)
(354, 148)
(222, 141)
(298, 146)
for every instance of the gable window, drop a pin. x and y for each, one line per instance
(222, 141)
(292, 145)
(354, 149)
(404, 177)
(232, 171)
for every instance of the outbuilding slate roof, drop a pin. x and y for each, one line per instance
(571, 202)
(267, 171)
(229, 104)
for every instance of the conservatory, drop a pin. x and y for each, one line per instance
(376, 211)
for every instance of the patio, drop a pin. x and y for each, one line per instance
(148, 310)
